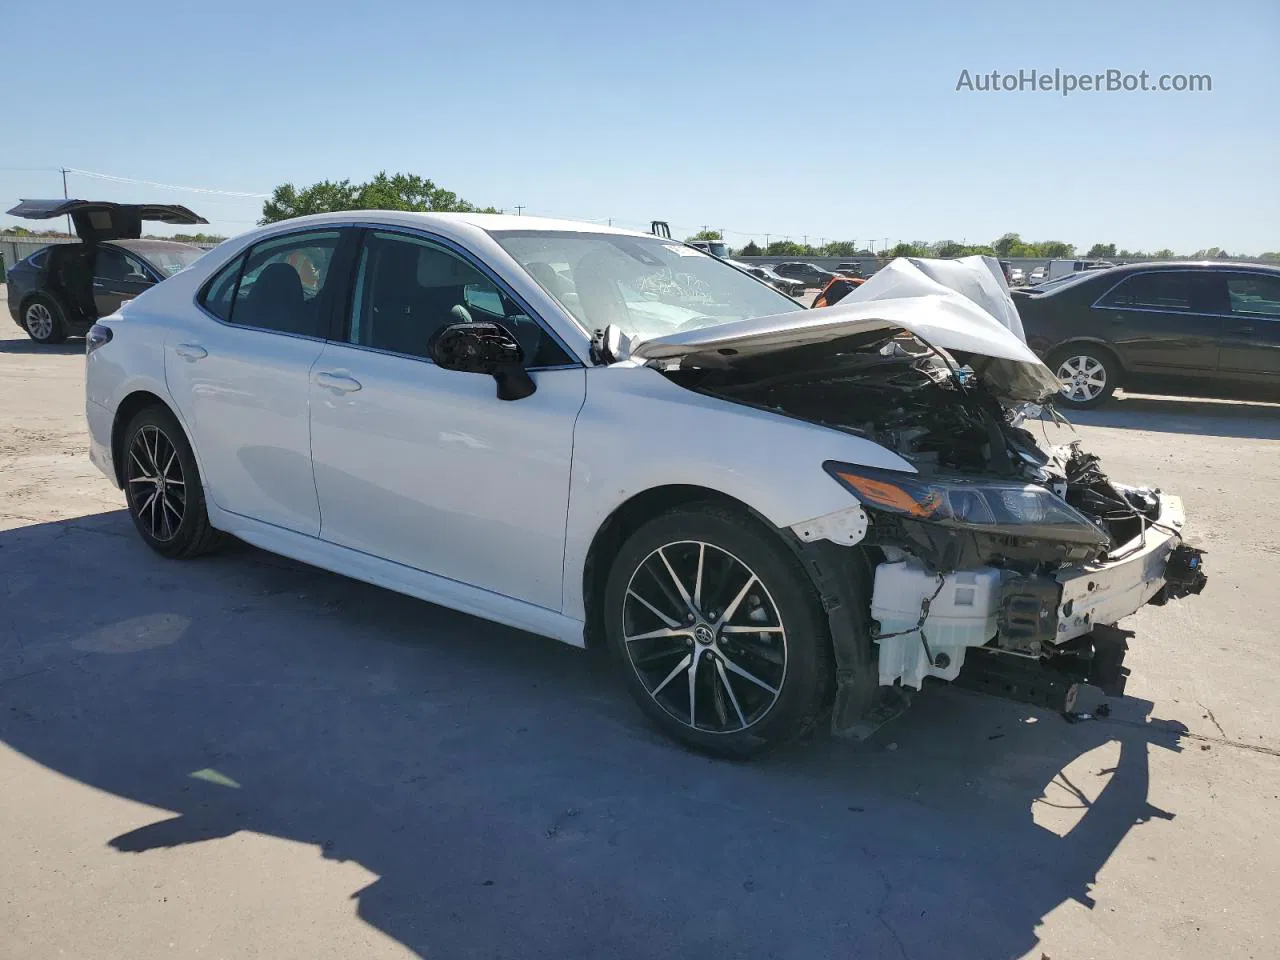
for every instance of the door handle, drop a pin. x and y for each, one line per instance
(1243, 331)
(191, 352)
(337, 382)
(99, 283)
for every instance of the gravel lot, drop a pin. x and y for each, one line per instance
(241, 757)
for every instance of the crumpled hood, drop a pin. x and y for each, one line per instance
(958, 305)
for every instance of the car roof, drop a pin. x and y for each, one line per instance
(488, 222)
(460, 227)
(1193, 265)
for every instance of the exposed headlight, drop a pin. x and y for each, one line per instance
(999, 507)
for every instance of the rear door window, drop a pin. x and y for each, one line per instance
(278, 285)
(116, 266)
(1254, 295)
(1166, 291)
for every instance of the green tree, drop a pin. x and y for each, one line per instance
(1055, 249)
(1269, 255)
(946, 249)
(1102, 250)
(196, 238)
(706, 235)
(1007, 244)
(916, 248)
(786, 248)
(750, 250)
(327, 196)
(1164, 253)
(401, 191)
(840, 248)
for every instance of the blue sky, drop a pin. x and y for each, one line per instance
(826, 119)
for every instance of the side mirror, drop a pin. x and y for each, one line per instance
(485, 348)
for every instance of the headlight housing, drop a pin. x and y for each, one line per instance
(987, 506)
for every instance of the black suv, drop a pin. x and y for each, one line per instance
(1201, 328)
(61, 289)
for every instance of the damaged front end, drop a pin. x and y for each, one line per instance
(1002, 564)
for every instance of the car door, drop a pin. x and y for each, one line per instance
(117, 277)
(1251, 340)
(427, 467)
(240, 373)
(1163, 321)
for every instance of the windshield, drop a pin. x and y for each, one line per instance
(172, 259)
(645, 286)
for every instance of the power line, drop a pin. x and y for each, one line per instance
(167, 186)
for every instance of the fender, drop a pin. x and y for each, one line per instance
(1093, 341)
(639, 431)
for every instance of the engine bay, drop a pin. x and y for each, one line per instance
(931, 408)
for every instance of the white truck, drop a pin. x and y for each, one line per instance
(1063, 268)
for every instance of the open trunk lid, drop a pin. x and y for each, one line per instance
(98, 220)
(957, 305)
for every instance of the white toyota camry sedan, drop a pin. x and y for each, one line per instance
(770, 515)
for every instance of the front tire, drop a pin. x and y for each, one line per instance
(43, 320)
(718, 631)
(1089, 375)
(162, 487)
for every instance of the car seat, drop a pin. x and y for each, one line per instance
(275, 301)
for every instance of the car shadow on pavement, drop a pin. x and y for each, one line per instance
(1218, 418)
(30, 346)
(510, 799)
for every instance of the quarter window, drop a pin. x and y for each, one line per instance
(408, 290)
(220, 293)
(1254, 295)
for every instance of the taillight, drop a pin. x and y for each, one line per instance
(98, 335)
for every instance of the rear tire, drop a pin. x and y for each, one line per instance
(43, 319)
(1089, 375)
(163, 489)
(751, 630)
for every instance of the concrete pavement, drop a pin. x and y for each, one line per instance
(241, 757)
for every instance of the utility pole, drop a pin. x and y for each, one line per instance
(886, 244)
(519, 209)
(64, 171)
